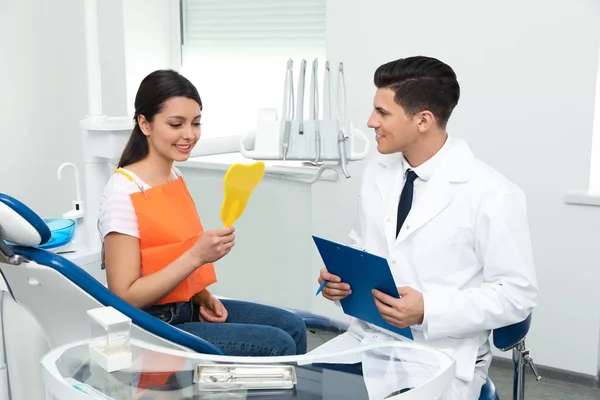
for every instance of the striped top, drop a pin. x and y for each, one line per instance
(116, 207)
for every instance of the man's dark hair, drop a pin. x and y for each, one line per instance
(421, 83)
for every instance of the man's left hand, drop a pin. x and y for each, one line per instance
(212, 310)
(406, 311)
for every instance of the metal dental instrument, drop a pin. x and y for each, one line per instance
(300, 104)
(315, 110)
(230, 376)
(326, 110)
(288, 107)
(341, 120)
(327, 92)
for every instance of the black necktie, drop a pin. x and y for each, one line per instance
(406, 199)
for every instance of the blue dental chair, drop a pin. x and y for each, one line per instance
(35, 283)
(42, 308)
(507, 338)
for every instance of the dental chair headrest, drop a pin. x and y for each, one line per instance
(21, 225)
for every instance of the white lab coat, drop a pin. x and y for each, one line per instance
(465, 245)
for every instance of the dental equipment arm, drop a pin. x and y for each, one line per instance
(6, 251)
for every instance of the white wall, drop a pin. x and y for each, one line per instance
(594, 188)
(43, 81)
(111, 43)
(42, 76)
(527, 72)
(147, 38)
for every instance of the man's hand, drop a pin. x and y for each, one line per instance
(406, 311)
(212, 310)
(334, 290)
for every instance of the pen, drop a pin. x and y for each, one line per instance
(321, 287)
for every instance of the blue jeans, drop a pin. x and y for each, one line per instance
(251, 329)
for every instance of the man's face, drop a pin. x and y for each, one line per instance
(394, 130)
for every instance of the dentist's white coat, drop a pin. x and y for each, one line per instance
(465, 245)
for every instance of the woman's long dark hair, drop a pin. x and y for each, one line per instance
(154, 91)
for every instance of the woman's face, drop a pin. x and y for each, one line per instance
(175, 130)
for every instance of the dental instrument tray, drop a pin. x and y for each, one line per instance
(324, 133)
(217, 377)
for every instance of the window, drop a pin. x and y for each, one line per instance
(594, 188)
(236, 51)
(591, 196)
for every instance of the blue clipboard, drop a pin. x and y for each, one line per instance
(363, 272)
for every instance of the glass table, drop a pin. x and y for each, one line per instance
(386, 370)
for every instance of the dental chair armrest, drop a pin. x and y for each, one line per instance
(320, 322)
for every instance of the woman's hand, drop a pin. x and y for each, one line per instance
(211, 309)
(213, 245)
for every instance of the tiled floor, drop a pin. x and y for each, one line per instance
(547, 389)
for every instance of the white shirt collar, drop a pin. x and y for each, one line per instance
(426, 170)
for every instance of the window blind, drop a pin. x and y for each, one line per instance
(253, 25)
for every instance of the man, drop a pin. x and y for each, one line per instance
(454, 231)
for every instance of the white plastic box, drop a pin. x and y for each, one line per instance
(110, 339)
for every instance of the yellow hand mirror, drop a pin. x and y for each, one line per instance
(240, 180)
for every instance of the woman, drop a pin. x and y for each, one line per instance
(156, 253)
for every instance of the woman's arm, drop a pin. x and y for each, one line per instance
(201, 297)
(210, 308)
(123, 266)
(123, 272)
